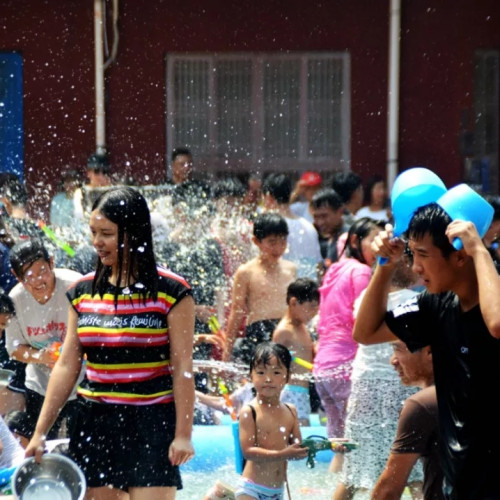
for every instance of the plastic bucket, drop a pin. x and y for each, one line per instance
(412, 189)
(463, 203)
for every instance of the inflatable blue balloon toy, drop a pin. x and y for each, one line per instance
(463, 203)
(412, 189)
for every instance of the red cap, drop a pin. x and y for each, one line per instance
(311, 179)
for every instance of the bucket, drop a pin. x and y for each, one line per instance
(55, 478)
(412, 189)
(463, 203)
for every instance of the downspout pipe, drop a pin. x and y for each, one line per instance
(393, 92)
(100, 128)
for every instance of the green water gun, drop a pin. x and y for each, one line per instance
(51, 235)
(320, 443)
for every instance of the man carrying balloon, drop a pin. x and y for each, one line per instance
(458, 315)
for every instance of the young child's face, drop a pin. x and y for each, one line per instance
(305, 311)
(366, 246)
(272, 246)
(39, 279)
(4, 321)
(269, 379)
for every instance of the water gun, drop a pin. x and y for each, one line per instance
(320, 443)
(225, 393)
(5, 480)
(51, 235)
(55, 349)
(213, 324)
(302, 362)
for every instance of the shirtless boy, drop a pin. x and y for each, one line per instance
(303, 301)
(259, 289)
(263, 424)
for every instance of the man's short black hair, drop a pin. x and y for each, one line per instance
(345, 183)
(431, 219)
(328, 197)
(230, 186)
(279, 186)
(99, 162)
(269, 224)
(25, 253)
(180, 151)
(304, 290)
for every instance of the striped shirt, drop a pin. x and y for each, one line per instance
(127, 349)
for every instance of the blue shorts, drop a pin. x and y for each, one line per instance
(257, 491)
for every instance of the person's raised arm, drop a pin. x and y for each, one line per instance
(181, 332)
(394, 478)
(61, 383)
(488, 280)
(369, 327)
(238, 310)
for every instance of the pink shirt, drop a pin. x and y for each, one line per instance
(343, 283)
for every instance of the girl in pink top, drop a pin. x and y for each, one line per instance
(342, 284)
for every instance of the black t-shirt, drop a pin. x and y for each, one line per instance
(466, 361)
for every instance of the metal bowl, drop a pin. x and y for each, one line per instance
(55, 478)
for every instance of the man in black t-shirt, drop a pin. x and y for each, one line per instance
(459, 317)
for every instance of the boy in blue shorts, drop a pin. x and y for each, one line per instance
(303, 301)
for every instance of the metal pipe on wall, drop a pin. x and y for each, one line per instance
(100, 128)
(393, 92)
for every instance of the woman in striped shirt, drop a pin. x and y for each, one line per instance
(133, 323)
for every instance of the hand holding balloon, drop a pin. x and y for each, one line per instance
(388, 248)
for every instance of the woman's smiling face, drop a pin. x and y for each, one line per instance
(104, 238)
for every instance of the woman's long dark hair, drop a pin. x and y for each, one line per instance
(128, 209)
(361, 228)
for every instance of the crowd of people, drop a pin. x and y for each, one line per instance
(102, 304)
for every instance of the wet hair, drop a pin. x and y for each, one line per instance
(13, 189)
(304, 290)
(374, 179)
(345, 184)
(327, 197)
(128, 209)
(265, 351)
(99, 163)
(360, 228)
(279, 186)
(6, 304)
(180, 151)
(269, 224)
(231, 186)
(431, 219)
(26, 253)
